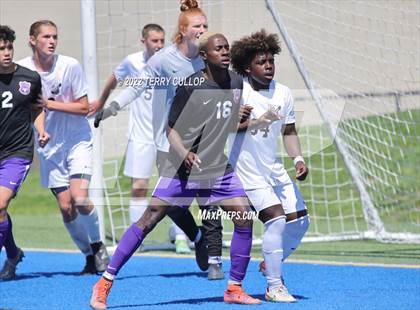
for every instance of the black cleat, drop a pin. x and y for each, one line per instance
(201, 253)
(89, 266)
(215, 272)
(8, 272)
(101, 256)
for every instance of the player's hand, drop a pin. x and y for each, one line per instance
(43, 138)
(301, 170)
(41, 103)
(192, 161)
(112, 110)
(245, 111)
(266, 119)
(94, 107)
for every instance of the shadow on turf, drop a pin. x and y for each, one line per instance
(193, 301)
(168, 275)
(34, 275)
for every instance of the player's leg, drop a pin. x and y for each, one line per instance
(240, 250)
(12, 174)
(79, 162)
(73, 223)
(167, 192)
(297, 222)
(212, 226)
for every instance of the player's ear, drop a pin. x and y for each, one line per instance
(203, 55)
(32, 41)
(142, 40)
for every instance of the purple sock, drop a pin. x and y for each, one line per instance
(129, 243)
(9, 242)
(4, 232)
(240, 249)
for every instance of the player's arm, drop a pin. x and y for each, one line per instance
(38, 118)
(263, 121)
(292, 146)
(191, 159)
(79, 107)
(97, 105)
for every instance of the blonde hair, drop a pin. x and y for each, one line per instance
(188, 8)
(34, 29)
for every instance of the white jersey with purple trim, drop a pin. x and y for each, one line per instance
(253, 153)
(140, 128)
(65, 82)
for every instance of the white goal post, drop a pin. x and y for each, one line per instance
(353, 68)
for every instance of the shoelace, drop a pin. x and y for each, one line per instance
(103, 292)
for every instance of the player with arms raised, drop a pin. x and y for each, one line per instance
(253, 153)
(66, 162)
(19, 92)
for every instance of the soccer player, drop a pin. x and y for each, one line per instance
(140, 132)
(19, 92)
(66, 162)
(267, 184)
(170, 64)
(201, 117)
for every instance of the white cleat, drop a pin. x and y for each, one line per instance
(279, 294)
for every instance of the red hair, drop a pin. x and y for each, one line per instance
(188, 8)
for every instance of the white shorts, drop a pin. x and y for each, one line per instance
(57, 169)
(288, 195)
(139, 160)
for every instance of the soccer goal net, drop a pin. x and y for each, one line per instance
(353, 67)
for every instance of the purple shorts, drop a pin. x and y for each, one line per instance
(13, 172)
(182, 192)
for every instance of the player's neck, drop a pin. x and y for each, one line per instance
(43, 63)
(188, 50)
(216, 74)
(257, 86)
(9, 69)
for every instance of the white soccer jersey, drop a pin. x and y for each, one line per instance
(140, 127)
(253, 153)
(66, 82)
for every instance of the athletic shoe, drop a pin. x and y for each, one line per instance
(181, 247)
(215, 272)
(89, 266)
(101, 258)
(279, 294)
(100, 293)
(236, 295)
(201, 254)
(8, 272)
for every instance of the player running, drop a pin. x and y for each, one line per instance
(267, 184)
(200, 119)
(20, 89)
(66, 162)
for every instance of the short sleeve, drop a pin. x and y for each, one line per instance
(289, 108)
(78, 81)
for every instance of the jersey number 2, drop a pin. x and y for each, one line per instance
(5, 103)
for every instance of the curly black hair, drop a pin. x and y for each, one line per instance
(7, 33)
(245, 49)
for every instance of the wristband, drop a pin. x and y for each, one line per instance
(298, 159)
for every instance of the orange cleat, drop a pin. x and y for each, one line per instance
(100, 293)
(236, 295)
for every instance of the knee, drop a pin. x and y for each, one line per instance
(242, 222)
(150, 218)
(67, 211)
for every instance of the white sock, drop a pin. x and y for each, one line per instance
(272, 248)
(293, 234)
(91, 224)
(215, 260)
(136, 208)
(78, 234)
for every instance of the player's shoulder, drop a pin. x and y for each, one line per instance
(27, 73)
(26, 62)
(68, 61)
(281, 88)
(135, 58)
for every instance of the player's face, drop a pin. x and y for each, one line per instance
(154, 41)
(197, 25)
(6, 54)
(46, 41)
(217, 52)
(262, 68)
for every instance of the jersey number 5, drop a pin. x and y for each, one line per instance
(5, 103)
(223, 110)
